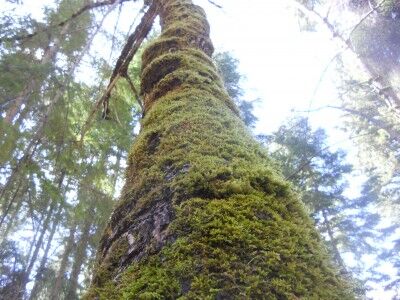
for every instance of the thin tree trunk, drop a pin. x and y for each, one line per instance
(33, 242)
(117, 168)
(43, 261)
(28, 154)
(13, 216)
(39, 272)
(8, 207)
(79, 259)
(203, 215)
(48, 56)
(57, 287)
(20, 294)
(334, 246)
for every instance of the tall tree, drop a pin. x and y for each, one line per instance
(36, 213)
(370, 99)
(227, 66)
(203, 213)
(348, 225)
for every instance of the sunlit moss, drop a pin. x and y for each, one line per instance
(237, 231)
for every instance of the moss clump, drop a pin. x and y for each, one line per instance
(242, 247)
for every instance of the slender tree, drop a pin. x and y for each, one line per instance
(203, 213)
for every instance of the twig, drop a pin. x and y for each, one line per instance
(373, 9)
(115, 32)
(132, 86)
(321, 78)
(215, 4)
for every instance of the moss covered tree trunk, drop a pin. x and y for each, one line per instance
(203, 214)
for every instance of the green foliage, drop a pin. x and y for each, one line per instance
(369, 94)
(41, 146)
(227, 67)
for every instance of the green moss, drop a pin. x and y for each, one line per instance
(160, 46)
(245, 246)
(238, 231)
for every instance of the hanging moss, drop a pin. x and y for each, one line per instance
(204, 215)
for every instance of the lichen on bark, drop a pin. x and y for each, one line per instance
(203, 214)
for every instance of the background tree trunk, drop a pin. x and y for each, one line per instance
(203, 214)
(79, 259)
(57, 287)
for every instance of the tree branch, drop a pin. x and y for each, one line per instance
(385, 89)
(62, 23)
(135, 92)
(121, 67)
(215, 4)
(373, 9)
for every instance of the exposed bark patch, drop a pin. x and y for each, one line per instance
(161, 46)
(153, 142)
(158, 70)
(162, 88)
(172, 171)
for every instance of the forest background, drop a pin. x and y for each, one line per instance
(316, 82)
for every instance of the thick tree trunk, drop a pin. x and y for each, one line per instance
(203, 214)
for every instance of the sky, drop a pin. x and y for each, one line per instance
(281, 65)
(288, 70)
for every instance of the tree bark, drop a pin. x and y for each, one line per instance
(203, 214)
